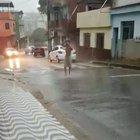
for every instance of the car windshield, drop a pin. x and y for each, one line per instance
(10, 49)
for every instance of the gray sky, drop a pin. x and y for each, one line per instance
(26, 5)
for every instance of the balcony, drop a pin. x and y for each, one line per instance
(94, 19)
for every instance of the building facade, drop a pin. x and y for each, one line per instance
(19, 29)
(95, 32)
(125, 20)
(7, 23)
(62, 22)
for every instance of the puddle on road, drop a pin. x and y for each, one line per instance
(14, 64)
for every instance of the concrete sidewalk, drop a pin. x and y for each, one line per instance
(22, 117)
(99, 64)
(123, 64)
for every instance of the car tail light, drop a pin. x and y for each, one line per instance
(9, 53)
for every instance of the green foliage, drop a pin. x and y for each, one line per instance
(39, 35)
(43, 6)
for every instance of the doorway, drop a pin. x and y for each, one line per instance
(115, 32)
(100, 41)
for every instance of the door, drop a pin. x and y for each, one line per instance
(127, 32)
(100, 41)
(115, 43)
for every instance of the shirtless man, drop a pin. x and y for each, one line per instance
(67, 61)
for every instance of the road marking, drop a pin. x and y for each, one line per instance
(127, 75)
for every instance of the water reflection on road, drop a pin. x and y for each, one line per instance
(13, 64)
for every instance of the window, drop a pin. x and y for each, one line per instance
(90, 7)
(127, 30)
(56, 17)
(87, 39)
(100, 40)
(7, 26)
(56, 48)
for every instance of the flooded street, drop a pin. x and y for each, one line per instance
(100, 102)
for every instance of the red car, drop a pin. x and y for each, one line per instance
(39, 52)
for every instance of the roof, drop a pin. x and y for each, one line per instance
(128, 5)
(6, 3)
(126, 9)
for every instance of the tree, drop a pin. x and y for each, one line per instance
(42, 7)
(39, 36)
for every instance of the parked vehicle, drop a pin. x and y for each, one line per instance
(29, 50)
(58, 54)
(39, 52)
(11, 52)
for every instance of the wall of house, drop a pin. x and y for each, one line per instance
(118, 3)
(93, 32)
(123, 50)
(87, 19)
(6, 17)
(132, 49)
(117, 19)
(7, 36)
(6, 32)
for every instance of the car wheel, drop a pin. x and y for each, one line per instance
(73, 61)
(50, 60)
(58, 60)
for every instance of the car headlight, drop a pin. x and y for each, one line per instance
(9, 53)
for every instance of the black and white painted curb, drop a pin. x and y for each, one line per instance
(22, 117)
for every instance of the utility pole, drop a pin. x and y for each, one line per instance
(48, 6)
(28, 41)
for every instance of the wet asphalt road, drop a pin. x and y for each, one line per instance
(103, 103)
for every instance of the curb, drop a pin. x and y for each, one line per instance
(117, 65)
(126, 66)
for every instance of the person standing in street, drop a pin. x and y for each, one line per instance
(67, 61)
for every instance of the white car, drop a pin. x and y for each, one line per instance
(58, 54)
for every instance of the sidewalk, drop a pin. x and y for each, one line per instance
(123, 64)
(23, 117)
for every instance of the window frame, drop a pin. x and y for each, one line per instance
(7, 26)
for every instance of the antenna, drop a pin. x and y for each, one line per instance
(104, 4)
